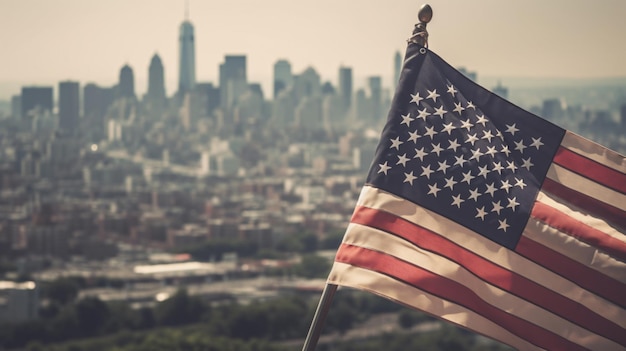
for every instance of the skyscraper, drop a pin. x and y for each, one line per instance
(345, 87)
(96, 102)
(376, 97)
(156, 80)
(69, 106)
(210, 94)
(187, 63)
(397, 67)
(126, 86)
(307, 83)
(36, 97)
(501, 90)
(16, 106)
(469, 74)
(233, 80)
(283, 77)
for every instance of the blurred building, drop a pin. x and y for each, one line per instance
(36, 97)
(307, 84)
(156, 82)
(16, 106)
(469, 74)
(283, 77)
(361, 110)
(233, 80)
(501, 90)
(69, 106)
(210, 95)
(308, 114)
(187, 59)
(283, 108)
(345, 87)
(126, 85)
(96, 101)
(397, 67)
(49, 240)
(553, 109)
(19, 302)
(333, 113)
(375, 86)
(249, 110)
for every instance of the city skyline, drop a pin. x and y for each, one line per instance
(90, 42)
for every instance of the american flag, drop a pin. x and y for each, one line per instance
(487, 216)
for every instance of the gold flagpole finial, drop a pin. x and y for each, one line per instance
(420, 34)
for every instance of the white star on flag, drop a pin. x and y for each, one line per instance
(407, 119)
(384, 168)
(511, 129)
(409, 177)
(432, 95)
(416, 98)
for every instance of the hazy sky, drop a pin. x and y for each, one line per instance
(44, 41)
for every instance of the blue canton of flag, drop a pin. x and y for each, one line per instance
(457, 149)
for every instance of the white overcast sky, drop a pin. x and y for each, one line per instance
(45, 41)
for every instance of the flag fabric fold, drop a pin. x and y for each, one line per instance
(487, 216)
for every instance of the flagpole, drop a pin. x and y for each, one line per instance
(320, 316)
(419, 36)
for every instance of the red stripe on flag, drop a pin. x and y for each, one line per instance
(452, 291)
(579, 230)
(587, 203)
(490, 272)
(591, 169)
(580, 274)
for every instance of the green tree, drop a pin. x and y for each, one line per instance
(64, 325)
(342, 318)
(179, 309)
(285, 318)
(62, 290)
(332, 241)
(407, 318)
(309, 242)
(289, 244)
(92, 315)
(313, 266)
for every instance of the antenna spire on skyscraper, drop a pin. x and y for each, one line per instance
(187, 64)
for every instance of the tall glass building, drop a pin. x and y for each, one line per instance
(69, 105)
(156, 79)
(283, 77)
(187, 64)
(126, 86)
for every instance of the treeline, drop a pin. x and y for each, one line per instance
(188, 323)
(288, 317)
(66, 318)
(91, 317)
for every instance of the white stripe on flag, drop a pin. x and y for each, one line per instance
(586, 186)
(487, 249)
(594, 151)
(355, 277)
(377, 240)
